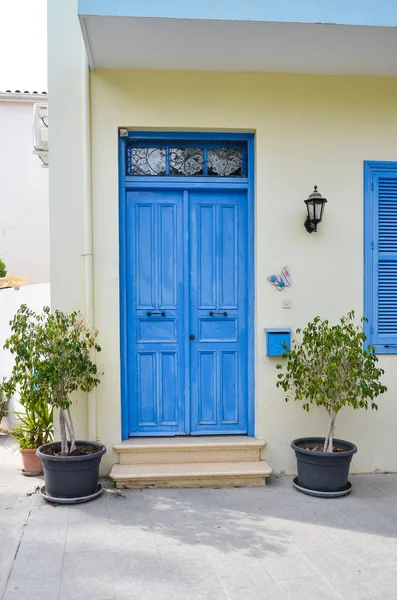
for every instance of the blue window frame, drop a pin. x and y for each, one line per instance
(380, 255)
(225, 181)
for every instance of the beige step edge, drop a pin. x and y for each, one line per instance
(176, 471)
(192, 482)
(199, 454)
(199, 444)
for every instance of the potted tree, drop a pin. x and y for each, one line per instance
(332, 368)
(62, 364)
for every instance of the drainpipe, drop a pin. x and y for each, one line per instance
(88, 262)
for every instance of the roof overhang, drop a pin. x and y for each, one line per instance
(120, 42)
(22, 97)
(352, 12)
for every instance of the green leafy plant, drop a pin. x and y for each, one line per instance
(331, 367)
(35, 426)
(35, 423)
(52, 360)
(3, 268)
(3, 404)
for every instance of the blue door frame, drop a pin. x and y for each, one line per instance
(128, 184)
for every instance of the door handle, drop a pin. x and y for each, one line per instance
(224, 313)
(191, 336)
(149, 314)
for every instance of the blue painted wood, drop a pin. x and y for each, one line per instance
(251, 286)
(125, 396)
(156, 360)
(145, 410)
(193, 135)
(380, 255)
(278, 340)
(228, 183)
(218, 312)
(186, 307)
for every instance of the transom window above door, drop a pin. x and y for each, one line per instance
(185, 158)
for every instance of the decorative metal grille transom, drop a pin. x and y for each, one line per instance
(187, 159)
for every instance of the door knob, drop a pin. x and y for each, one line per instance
(191, 336)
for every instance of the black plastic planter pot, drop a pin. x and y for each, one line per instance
(71, 476)
(323, 471)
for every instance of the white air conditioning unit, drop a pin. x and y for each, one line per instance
(40, 132)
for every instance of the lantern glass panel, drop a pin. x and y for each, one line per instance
(320, 209)
(317, 210)
(310, 210)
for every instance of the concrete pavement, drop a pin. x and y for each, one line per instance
(269, 543)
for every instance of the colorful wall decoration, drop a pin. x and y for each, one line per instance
(281, 281)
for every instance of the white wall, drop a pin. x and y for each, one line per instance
(308, 130)
(36, 297)
(66, 66)
(24, 210)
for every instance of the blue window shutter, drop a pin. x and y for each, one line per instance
(381, 256)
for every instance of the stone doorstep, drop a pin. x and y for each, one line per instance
(189, 442)
(191, 474)
(189, 450)
(198, 455)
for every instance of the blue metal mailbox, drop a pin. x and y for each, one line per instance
(276, 340)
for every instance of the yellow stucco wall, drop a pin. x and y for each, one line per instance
(308, 130)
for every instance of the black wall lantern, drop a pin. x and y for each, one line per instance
(315, 208)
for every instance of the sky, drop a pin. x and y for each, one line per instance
(23, 45)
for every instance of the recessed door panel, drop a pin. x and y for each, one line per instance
(168, 279)
(229, 409)
(146, 375)
(156, 330)
(228, 256)
(206, 388)
(217, 330)
(206, 239)
(168, 391)
(145, 268)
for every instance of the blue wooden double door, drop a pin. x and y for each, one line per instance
(187, 317)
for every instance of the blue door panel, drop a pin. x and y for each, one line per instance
(228, 256)
(146, 393)
(186, 253)
(167, 276)
(205, 239)
(217, 330)
(205, 403)
(155, 316)
(145, 268)
(229, 409)
(218, 290)
(156, 330)
(168, 388)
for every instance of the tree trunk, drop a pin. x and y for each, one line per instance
(329, 440)
(62, 427)
(72, 432)
(68, 431)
